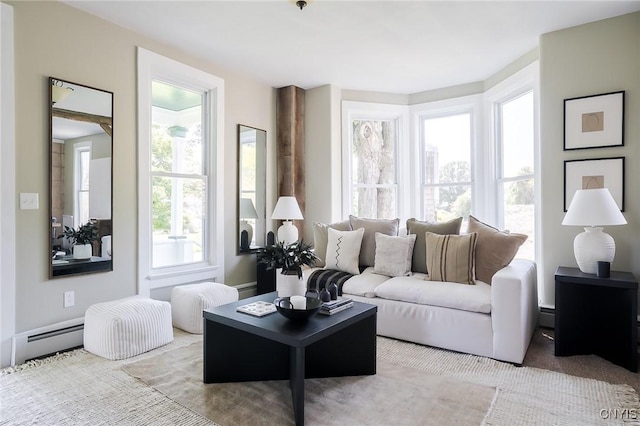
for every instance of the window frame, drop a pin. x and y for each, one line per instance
(351, 111)
(152, 66)
(520, 83)
(438, 109)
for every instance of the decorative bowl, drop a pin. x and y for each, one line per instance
(284, 306)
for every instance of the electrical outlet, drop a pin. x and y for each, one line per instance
(69, 299)
(29, 201)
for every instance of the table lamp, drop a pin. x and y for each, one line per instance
(593, 209)
(247, 211)
(287, 209)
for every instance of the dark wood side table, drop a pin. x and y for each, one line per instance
(596, 315)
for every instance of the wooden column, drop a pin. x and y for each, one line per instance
(290, 148)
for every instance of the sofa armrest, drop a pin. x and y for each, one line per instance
(514, 309)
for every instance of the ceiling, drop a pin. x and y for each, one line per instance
(401, 47)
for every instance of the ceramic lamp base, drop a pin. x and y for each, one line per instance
(287, 233)
(592, 246)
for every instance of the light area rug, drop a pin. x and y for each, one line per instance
(406, 395)
(79, 388)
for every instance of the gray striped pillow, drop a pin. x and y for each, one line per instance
(451, 258)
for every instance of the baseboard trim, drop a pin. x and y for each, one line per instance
(546, 318)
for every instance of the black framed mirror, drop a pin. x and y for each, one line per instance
(81, 178)
(252, 176)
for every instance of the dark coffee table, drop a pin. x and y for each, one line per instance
(239, 347)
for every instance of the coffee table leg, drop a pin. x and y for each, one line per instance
(296, 383)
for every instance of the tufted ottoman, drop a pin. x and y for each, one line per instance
(127, 327)
(188, 302)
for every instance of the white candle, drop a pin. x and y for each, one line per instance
(299, 302)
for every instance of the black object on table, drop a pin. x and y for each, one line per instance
(596, 315)
(239, 347)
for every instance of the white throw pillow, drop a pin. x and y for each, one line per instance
(343, 250)
(393, 255)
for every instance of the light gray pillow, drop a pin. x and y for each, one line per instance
(320, 238)
(393, 255)
(371, 226)
(419, 262)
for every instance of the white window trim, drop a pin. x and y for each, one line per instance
(78, 148)
(352, 110)
(153, 66)
(467, 104)
(519, 83)
(8, 187)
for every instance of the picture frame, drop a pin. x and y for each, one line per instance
(595, 121)
(594, 173)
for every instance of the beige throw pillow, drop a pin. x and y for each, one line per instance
(371, 226)
(419, 228)
(393, 255)
(320, 235)
(451, 257)
(495, 249)
(343, 250)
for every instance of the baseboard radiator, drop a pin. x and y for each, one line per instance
(47, 340)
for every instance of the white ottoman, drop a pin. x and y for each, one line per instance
(188, 302)
(127, 327)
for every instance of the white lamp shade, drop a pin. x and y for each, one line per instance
(287, 209)
(247, 209)
(593, 207)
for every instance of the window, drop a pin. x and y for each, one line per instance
(371, 172)
(82, 161)
(515, 175)
(446, 167)
(178, 179)
(180, 166)
(467, 155)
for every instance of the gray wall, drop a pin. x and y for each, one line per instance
(586, 60)
(53, 39)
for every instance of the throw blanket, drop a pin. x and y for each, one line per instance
(320, 278)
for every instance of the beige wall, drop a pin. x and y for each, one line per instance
(586, 60)
(52, 39)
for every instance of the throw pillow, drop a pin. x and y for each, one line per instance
(451, 257)
(320, 235)
(419, 228)
(495, 249)
(371, 226)
(343, 250)
(393, 255)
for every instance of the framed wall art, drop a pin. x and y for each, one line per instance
(598, 173)
(595, 121)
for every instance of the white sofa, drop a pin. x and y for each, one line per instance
(495, 318)
(496, 321)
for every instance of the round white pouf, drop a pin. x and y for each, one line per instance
(188, 302)
(127, 327)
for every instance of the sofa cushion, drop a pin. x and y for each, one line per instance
(418, 228)
(473, 298)
(320, 235)
(451, 257)
(364, 284)
(371, 226)
(393, 255)
(495, 249)
(343, 250)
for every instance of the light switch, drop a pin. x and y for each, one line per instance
(29, 201)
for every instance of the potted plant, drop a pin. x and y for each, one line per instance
(289, 259)
(82, 239)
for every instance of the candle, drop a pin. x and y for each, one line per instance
(299, 302)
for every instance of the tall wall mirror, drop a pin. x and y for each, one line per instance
(252, 189)
(81, 170)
